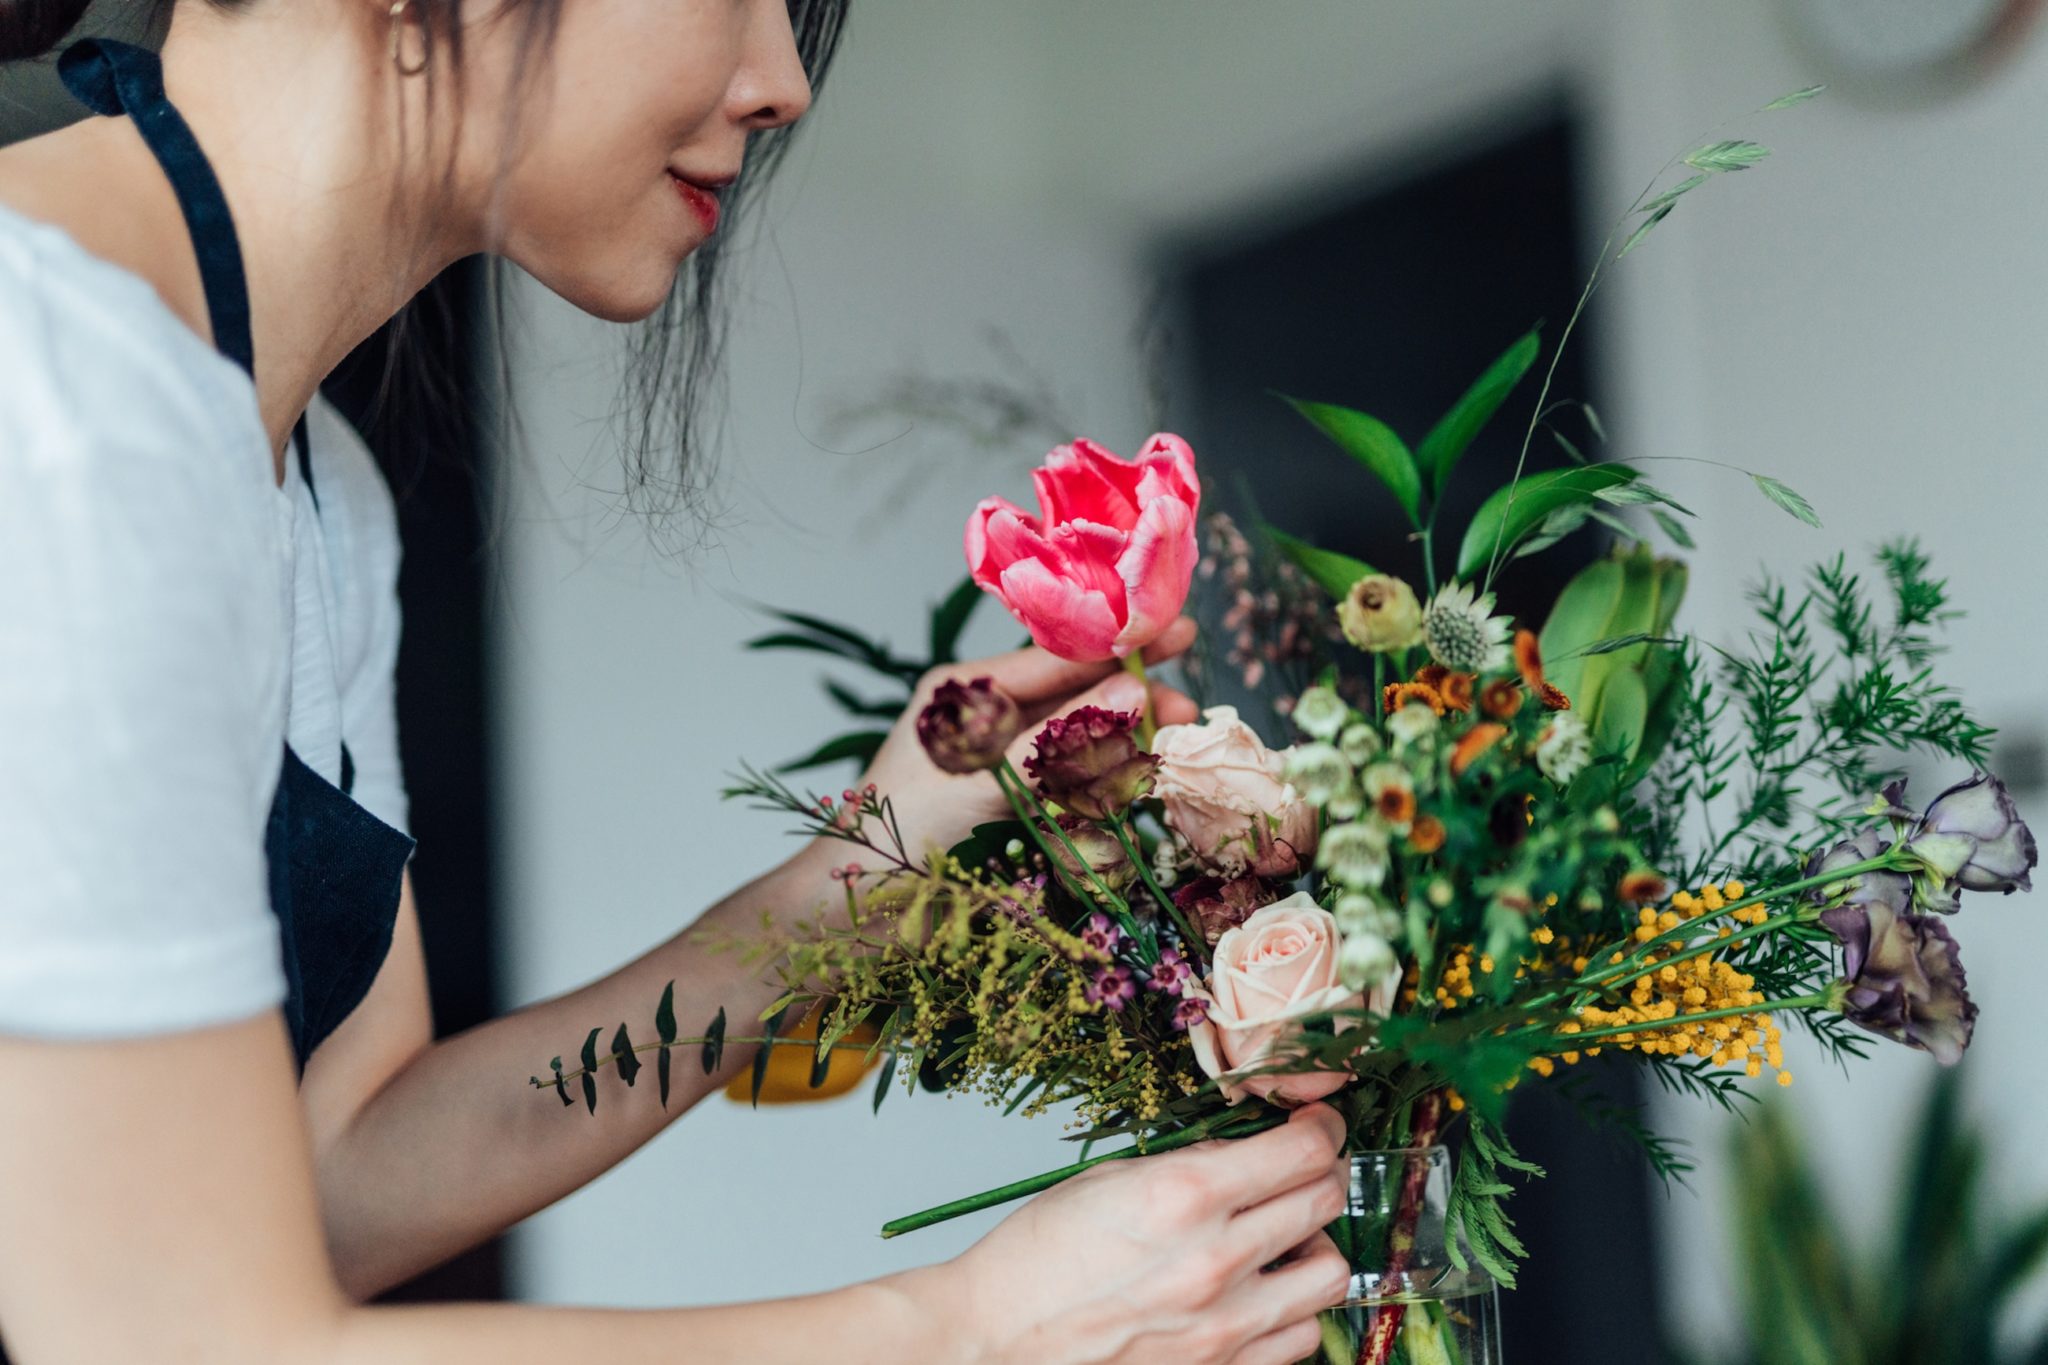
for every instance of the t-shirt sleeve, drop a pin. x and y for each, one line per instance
(362, 530)
(141, 620)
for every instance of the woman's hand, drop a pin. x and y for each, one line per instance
(1162, 1259)
(935, 808)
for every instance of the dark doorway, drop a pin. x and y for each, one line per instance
(421, 420)
(1393, 304)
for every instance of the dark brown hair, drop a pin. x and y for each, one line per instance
(675, 385)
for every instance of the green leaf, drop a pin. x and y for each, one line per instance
(714, 1043)
(854, 704)
(1373, 444)
(1593, 422)
(590, 1070)
(1516, 510)
(1671, 196)
(1448, 439)
(788, 640)
(1643, 230)
(768, 1027)
(1727, 156)
(859, 746)
(665, 1029)
(821, 1065)
(1335, 573)
(1674, 528)
(1577, 619)
(1638, 493)
(624, 1058)
(1787, 498)
(1796, 97)
(885, 1080)
(950, 618)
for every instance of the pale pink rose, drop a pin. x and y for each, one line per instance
(1225, 795)
(1278, 966)
(1107, 565)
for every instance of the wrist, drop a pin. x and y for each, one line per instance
(925, 1311)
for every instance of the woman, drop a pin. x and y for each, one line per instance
(225, 1123)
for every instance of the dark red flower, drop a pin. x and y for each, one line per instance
(1089, 762)
(968, 726)
(1213, 905)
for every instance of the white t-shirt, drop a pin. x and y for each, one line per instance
(168, 616)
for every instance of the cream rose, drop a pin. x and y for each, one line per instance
(1278, 966)
(1226, 794)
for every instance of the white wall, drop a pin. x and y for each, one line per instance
(1863, 317)
(1866, 317)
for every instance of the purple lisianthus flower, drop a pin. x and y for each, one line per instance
(1171, 974)
(1903, 978)
(1089, 762)
(1112, 987)
(1972, 834)
(1102, 934)
(1893, 890)
(1189, 1011)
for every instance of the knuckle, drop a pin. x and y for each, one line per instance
(1212, 1271)
(1179, 1193)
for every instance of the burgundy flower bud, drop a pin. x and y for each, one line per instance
(968, 726)
(1213, 905)
(2000, 852)
(1089, 762)
(1100, 850)
(1903, 978)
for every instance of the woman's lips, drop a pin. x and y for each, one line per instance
(702, 202)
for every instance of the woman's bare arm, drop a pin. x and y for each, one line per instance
(157, 1204)
(456, 1146)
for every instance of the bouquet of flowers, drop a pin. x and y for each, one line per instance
(1487, 852)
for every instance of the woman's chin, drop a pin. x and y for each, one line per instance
(631, 295)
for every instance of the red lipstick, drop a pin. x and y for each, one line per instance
(702, 202)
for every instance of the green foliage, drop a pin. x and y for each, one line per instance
(1373, 444)
(1781, 745)
(1607, 645)
(815, 635)
(1519, 509)
(1938, 1296)
(1478, 1191)
(1332, 572)
(1448, 439)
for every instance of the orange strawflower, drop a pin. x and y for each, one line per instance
(1501, 698)
(1395, 805)
(1427, 836)
(1529, 663)
(1477, 741)
(1399, 695)
(1432, 676)
(1456, 690)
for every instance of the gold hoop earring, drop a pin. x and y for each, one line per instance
(398, 9)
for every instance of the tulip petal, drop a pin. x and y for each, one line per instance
(1157, 569)
(998, 534)
(1061, 616)
(1087, 553)
(1083, 481)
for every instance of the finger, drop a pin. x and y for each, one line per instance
(1032, 675)
(1289, 1219)
(1317, 1279)
(1297, 1341)
(1252, 1170)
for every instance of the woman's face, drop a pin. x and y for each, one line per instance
(633, 95)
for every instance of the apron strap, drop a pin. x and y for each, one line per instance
(113, 78)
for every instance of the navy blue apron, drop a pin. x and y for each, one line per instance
(334, 867)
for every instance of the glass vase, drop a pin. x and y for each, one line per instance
(1409, 1303)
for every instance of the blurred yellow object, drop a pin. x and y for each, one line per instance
(789, 1068)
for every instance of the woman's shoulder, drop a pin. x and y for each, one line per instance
(92, 360)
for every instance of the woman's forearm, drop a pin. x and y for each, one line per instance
(904, 1317)
(459, 1146)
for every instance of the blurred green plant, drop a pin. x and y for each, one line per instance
(873, 715)
(1937, 1296)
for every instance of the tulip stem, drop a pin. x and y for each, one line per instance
(1134, 664)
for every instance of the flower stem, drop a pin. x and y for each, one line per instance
(1217, 1127)
(1795, 1002)
(1134, 664)
(1037, 821)
(1166, 903)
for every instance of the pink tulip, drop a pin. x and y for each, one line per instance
(1108, 566)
